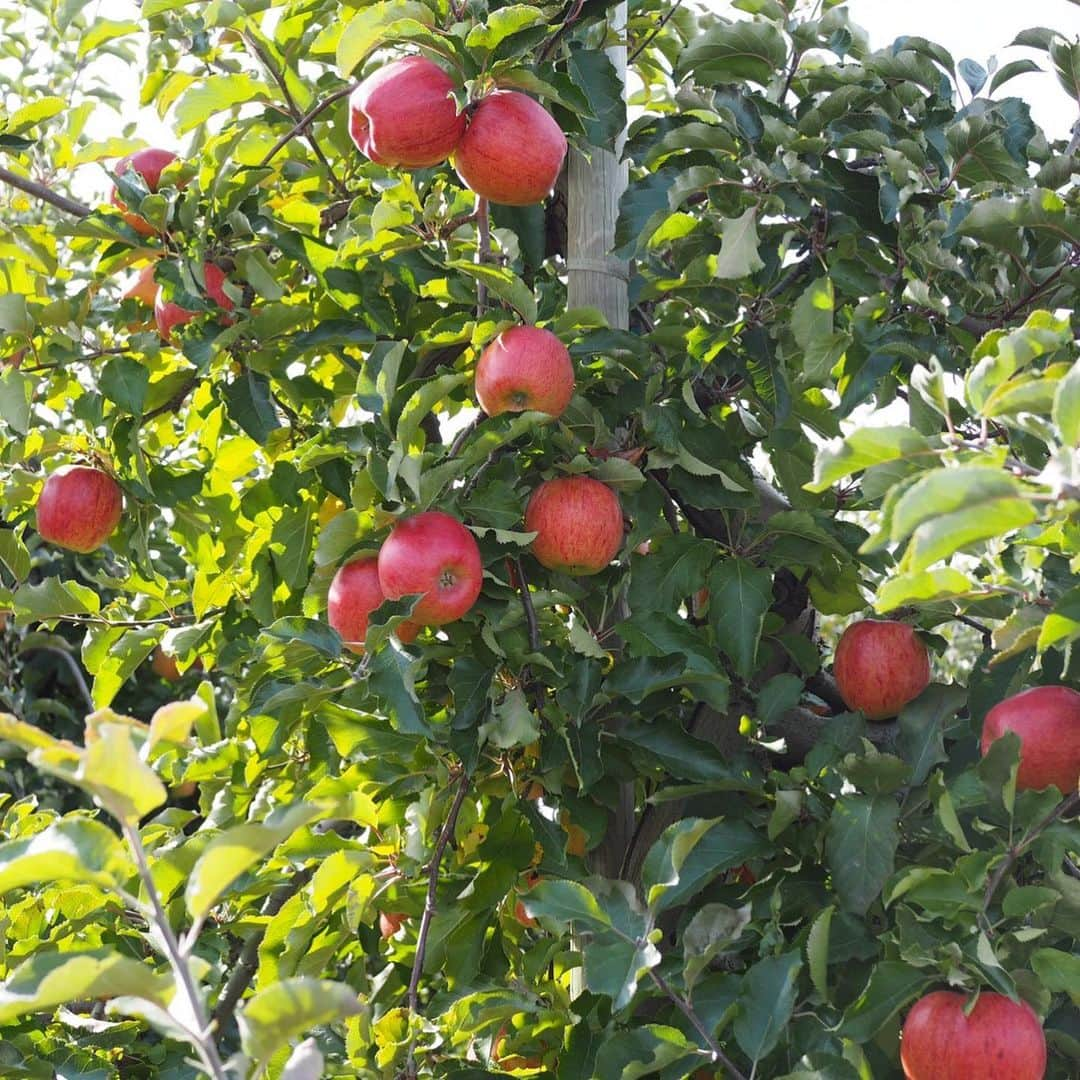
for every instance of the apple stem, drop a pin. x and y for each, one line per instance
(429, 906)
(1062, 809)
(202, 1037)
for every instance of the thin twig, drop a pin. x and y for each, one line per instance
(173, 403)
(293, 109)
(531, 622)
(796, 57)
(301, 125)
(483, 250)
(205, 1045)
(571, 18)
(248, 961)
(656, 30)
(462, 435)
(76, 671)
(987, 633)
(687, 1010)
(1061, 810)
(45, 194)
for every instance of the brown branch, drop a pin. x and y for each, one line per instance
(293, 109)
(433, 886)
(652, 36)
(301, 125)
(483, 250)
(173, 403)
(462, 435)
(531, 622)
(44, 193)
(1064, 807)
(248, 961)
(718, 1055)
(571, 18)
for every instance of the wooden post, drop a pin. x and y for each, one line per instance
(596, 278)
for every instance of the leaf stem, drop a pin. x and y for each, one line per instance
(205, 1045)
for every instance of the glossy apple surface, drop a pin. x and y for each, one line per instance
(578, 524)
(525, 367)
(403, 114)
(78, 508)
(354, 594)
(149, 164)
(880, 665)
(169, 315)
(512, 150)
(434, 556)
(1047, 721)
(999, 1040)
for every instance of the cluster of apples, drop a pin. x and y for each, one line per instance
(880, 665)
(507, 148)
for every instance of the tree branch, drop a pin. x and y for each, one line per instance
(483, 250)
(248, 962)
(301, 125)
(1061, 810)
(432, 890)
(655, 31)
(44, 193)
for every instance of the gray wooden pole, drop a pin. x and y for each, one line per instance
(595, 278)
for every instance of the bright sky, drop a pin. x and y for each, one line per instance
(977, 29)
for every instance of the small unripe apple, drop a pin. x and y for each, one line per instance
(354, 595)
(880, 666)
(434, 556)
(144, 288)
(169, 315)
(509, 1061)
(520, 913)
(403, 114)
(390, 922)
(1000, 1038)
(78, 508)
(525, 367)
(512, 150)
(149, 164)
(578, 524)
(1047, 721)
(164, 665)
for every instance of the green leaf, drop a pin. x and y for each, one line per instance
(998, 221)
(74, 849)
(370, 26)
(684, 756)
(596, 75)
(500, 24)
(740, 595)
(251, 405)
(563, 903)
(1058, 971)
(998, 768)
(1061, 625)
(863, 448)
(892, 985)
(125, 382)
(1067, 406)
(860, 846)
(921, 587)
(233, 852)
(54, 598)
(739, 242)
(922, 722)
(16, 399)
(766, 1002)
(714, 928)
(48, 979)
(733, 53)
(672, 571)
(1011, 70)
(101, 31)
(614, 966)
(392, 679)
(512, 723)
(14, 554)
(502, 283)
(817, 951)
(275, 1016)
(214, 94)
(812, 327)
(691, 853)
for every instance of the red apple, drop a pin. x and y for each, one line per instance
(1047, 720)
(880, 665)
(512, 150)
(524, 368)
(149, 164)
(354, 595)
(164, 665)
(578, 524)
(168, 315)
(432, 555)
(144, 288)
(390, 922)
(403, 114)
(78, 508)
(1000, 1039)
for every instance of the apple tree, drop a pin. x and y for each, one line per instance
(354, 730)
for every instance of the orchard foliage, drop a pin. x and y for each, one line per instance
(649, 838)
